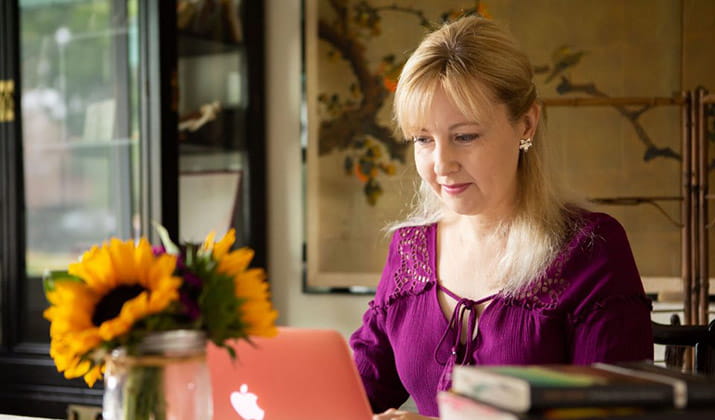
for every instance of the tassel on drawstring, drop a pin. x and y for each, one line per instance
(457, 322)
(445, 379)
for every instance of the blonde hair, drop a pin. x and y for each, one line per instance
(477, 63)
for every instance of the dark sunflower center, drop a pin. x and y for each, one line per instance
(111, 304)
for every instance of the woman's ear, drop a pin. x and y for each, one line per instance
(530, 121)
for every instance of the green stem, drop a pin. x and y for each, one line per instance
(144, 394)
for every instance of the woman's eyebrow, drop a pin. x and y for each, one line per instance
(462, 124)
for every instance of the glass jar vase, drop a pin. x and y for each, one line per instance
(165, 378)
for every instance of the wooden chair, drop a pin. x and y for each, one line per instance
(678, 337)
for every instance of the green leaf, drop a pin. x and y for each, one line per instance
(231, 352)
(170, 246)
(50, 277)
(221, 308)
(189, 255)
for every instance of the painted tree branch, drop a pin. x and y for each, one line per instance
(634, 201)
(353, 124)
(652, 151)
(418, 13)
(341, 9)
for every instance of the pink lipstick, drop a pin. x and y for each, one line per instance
(454, 189)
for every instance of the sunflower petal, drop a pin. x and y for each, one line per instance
(208, 244)
(236, 261)
(93, 375)
(224, 245)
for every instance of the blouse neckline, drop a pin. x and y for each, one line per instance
(455, 322)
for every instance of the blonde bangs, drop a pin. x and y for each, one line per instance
(471, 97)
(413, 99)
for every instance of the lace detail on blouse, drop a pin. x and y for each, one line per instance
(414, 273)
(545, 292)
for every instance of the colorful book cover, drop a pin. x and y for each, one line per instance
(453, 406)
(527, 388)
(690, 390)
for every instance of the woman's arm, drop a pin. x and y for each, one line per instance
(393, 414)
(371, 345)
(611, 317)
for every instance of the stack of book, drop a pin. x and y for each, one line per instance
(627, 391)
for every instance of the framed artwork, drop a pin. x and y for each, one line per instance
(360, 176)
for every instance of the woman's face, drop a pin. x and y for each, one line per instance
(471, 165)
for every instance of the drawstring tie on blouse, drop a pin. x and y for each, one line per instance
(457, 319)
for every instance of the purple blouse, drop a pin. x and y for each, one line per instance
(588, 307)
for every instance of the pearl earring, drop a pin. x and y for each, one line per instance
(525, 144)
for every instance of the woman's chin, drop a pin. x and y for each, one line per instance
(464, 209)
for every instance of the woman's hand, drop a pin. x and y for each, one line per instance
(392, 413)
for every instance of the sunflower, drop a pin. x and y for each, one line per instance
(250, 286)
(113, 287)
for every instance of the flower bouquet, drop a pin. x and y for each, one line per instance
(129, 311)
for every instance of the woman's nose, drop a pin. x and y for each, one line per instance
(445, 161)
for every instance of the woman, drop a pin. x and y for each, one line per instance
(494, 266)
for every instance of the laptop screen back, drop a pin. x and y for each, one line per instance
(301, 374)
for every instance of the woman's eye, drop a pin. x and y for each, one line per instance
(466, 138)
(421, 140)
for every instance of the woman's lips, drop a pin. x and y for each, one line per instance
(454, 189)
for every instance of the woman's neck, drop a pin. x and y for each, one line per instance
(468, 256)
(477, 229)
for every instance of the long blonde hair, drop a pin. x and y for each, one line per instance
(477, 63)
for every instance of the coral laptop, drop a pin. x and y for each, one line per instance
(301, 374)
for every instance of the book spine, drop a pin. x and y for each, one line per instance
(518, 396)
(688, 391)
(607, 395)
(501, 391)
(700, 395)
(457, 407)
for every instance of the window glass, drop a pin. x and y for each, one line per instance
(80, 133)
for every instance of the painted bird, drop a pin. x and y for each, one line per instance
(563, 58)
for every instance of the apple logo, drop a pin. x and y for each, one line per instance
(246, 404)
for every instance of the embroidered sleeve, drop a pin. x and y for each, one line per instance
(371, 345)
(375, 363)
(608, 311)
(617, 329)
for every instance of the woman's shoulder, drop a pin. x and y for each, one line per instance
(415, 242)
(591, 236)
(602, 269)
(409, 269)
(589, 229)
